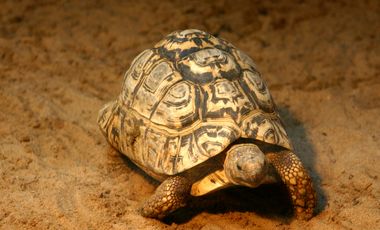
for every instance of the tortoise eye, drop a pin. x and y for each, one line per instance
(195, 113)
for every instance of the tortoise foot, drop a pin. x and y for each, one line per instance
(298, 182)
(172, 194)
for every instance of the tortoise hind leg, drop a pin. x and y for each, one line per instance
(297, 180)
(172, 194)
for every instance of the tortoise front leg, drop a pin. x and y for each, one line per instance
(297, 180)
(172, 194)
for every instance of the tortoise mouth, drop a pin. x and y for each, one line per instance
(245, 164)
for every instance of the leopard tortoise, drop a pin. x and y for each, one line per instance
(195, 114)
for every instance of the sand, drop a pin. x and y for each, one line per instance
(60, 61)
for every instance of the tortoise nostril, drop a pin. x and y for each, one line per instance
(239, 167)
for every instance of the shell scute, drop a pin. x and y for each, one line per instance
(178, 107)
(244, 61)
(212, 139)
(133, 75)
(226, 99)
(156, 77)
(207, 65)
(258, 91)
(180, 44)
(267, 128)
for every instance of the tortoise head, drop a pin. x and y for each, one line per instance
(246, 165)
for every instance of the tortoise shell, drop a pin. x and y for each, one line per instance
(186, 100)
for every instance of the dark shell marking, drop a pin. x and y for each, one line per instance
(192, 95)
(180, 44)
(185, 101)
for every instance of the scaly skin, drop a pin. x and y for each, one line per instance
(297, 180)
(172, 194)
(193, 89)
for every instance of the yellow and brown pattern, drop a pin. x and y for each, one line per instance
(193, 94)
(187, 100)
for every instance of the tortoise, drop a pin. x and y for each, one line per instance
(195, 114)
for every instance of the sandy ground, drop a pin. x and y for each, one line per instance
(60, 61)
